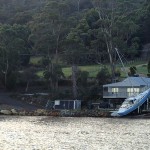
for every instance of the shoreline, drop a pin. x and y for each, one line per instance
(55, 113)
(10, 111)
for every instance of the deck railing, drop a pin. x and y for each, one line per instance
(118, 94)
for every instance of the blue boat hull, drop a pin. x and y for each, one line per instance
(135, 106)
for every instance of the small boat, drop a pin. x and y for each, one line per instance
(132, 103)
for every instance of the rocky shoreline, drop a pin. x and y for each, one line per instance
(8, 110)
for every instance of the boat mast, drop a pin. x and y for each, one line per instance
(124, 68)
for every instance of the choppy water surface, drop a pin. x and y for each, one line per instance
(48, 133)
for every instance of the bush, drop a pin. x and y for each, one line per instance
(11, 80)
(148, 75)
(132, 71)
(103, 76)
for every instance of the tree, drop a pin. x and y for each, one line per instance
(132, 71)
(113, 25)
(82, 83)
(52, 73)
(82, 78)
(103, 76)
(49, 27)
(29, 75)
(74, 48)
(13, 41)
(144, 21)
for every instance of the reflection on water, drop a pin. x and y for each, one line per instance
(50, 133)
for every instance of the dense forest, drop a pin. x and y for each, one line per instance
(69, 33)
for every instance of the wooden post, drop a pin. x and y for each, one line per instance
(138, 110)
(74, 80)
(147, 103)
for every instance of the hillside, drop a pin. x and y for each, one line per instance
(49, 37)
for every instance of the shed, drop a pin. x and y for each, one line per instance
(67, 104)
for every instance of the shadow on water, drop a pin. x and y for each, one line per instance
(2, 118)
(8, 118)
(52, 120)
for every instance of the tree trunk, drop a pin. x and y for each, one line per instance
(26, 90)
(6, 71)
(56, 53)
(78, 5)
(109, 50)
(57, 43)
(74, 80)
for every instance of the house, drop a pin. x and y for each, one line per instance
(67, 104)
(126, 88)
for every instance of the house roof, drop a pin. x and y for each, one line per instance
(131, 81)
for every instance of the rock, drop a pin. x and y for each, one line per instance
(41, 112)
(14, 111)
(6, 112)
(22, 113)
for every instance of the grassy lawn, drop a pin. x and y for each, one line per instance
(35, 60)
(40, 74)
(94, 69)
(142, 69)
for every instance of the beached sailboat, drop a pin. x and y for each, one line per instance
(132, 103)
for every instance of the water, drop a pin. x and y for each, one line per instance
(49, 133)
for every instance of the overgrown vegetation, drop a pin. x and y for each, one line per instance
(81, 34)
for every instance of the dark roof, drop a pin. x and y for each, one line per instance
(131, 81)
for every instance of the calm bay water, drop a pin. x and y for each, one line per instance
(49, 133)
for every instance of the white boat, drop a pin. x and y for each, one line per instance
(132, 103)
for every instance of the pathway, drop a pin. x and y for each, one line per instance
(7, 100)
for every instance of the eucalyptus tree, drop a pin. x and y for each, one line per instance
(52, 73)
(74, 48)
(79, 5)
(113, 25)
(144, 22)
(13, 41)
(72, 53)
(49, 27)
(28, 75)
(19, 11)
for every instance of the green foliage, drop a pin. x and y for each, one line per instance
(103, 76)
(82, 78)
(36, 60)
(46, 61)
(13, 43)
(117, 73)
(11, 80)
(29, 74)
(70, 30)
(132, 71)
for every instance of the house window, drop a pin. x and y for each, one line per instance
(133, 90)
(115, 90)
